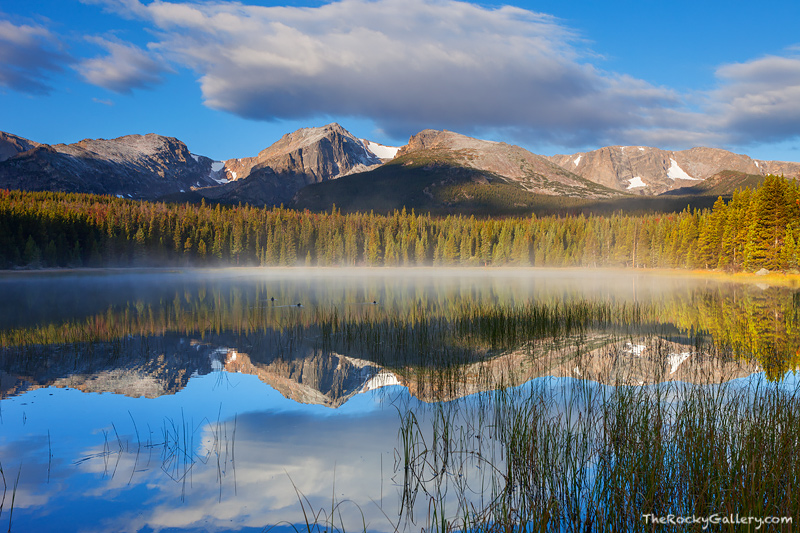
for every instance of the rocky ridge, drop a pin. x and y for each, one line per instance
(304, 157)
(11, 145)
(650, 171)
(135, 166)
(311, 376)
(533, 172)
(444, 169)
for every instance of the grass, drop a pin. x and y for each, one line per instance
(594, 458)
(5, 493)
(576, 456)
(322, 520)
(181, 450)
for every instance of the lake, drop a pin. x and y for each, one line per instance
(392, 400)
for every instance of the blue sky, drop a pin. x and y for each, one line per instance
(229, 78)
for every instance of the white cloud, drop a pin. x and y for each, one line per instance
(126, 67)
(759, 100)
(414, 64)
(406, 64)
(29, 54)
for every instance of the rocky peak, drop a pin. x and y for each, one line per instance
(131, 149)
(446, 140)
(136, 166)
(646, 170)
(532, 172)
(332, 137)
(11, 145)
(300, 158)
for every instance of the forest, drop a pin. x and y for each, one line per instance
(751, 230)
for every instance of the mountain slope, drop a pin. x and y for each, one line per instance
(11, 145)
(437, 171)
(138, 166)
(533, 172)
(306, 156)
(445, 172)
(648, 171)
(721, 184)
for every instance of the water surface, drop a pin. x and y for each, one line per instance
(207, 400)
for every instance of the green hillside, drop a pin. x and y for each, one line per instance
(437, 182)
(720, 184)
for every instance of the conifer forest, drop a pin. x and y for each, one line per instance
(751, 230)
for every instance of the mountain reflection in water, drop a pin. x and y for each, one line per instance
(191, 438)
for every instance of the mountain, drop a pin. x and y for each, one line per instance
(304, 157)
(649, 171)
(532, 172)
(136, 166)
(720, 184)
(11, 145)
(441, 172)
(312, 376)
(445, 172)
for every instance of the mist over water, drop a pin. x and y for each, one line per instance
(214, 400)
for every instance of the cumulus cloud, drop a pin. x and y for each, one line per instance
(412, 64)
(755, 102)
(406, 64)
(126, 67)
(29, 55)
(759, 100)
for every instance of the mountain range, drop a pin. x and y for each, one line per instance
(311, 376)
(437, 171)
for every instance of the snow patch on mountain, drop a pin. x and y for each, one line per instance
(384, 378)
(217, 172)
(195, 157)
(636, 181)
(577, 160)
(675, 172)
(367, 157)
(675, 360)
(380, 150)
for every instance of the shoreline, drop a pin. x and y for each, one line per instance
(783, 279)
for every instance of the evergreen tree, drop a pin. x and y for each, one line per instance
(32, 254)
(767, 225)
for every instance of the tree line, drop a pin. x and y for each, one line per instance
(754, 229)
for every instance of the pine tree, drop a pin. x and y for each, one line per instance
(32, 254)
(373, 247)
(767, 225)
(421, 250)
(140, 249)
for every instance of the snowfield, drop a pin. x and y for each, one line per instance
(636, 182)
(381, 151)
(675, 172)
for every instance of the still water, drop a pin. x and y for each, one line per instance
(248, 400)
